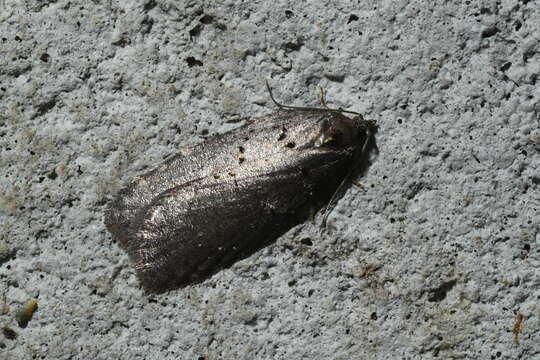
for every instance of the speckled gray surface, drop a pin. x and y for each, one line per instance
(435, 255)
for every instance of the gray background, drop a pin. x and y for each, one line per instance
(434, 255)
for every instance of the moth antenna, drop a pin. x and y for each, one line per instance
(323, 98)
(272, 95)
(281, 106)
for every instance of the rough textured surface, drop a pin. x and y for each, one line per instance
(435, 255)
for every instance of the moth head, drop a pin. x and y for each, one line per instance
(338, 132)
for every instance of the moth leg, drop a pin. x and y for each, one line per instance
(322, 98)
(333, 201)
(312, 213)
(370, 126)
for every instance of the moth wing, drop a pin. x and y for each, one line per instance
(190, 232)
(187, 166)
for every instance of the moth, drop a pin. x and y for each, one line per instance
(202, 210)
